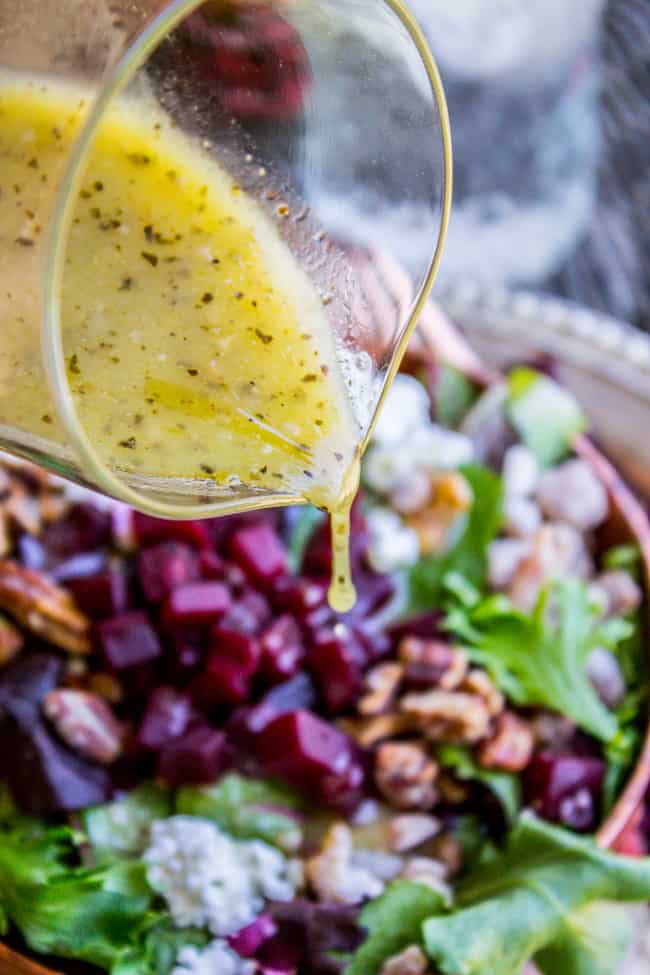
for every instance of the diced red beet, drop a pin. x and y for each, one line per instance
(282, 649)
(566, 788)
(84, 528)
(336, 661)
(164, 567)
(297, 694)
(228, 672)
(211, 565)
(300, 596)
(427, 625)
(313, 756)
(250, 939)
(104, 594)
(235, 577)
(128, 640)
(257, 605)
(197, 757)
(79, 566)
(260, 552)
(373, 591)
(149, 530)
(241, 618)
(375, 642)
(196, 603)
(167, 715)
(235, 645)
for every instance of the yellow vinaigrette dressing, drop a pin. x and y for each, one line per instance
(196, 346)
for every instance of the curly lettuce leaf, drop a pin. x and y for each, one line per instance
(453, 395)
(536, 902)
(540, 659)
(121, 828)
(246, 808)
(505, 786)
(546, 416)
(155, 948)
(393, 922)
(468, 556)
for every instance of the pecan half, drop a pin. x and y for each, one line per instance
(11, 641)
(86, 723)
(411, 961)
(405, 775)
(368, 732)
(479, 683)
(452, 497)
(449, 716)
(511, 747)
(381, 685)
(42, 607)
(332, 875)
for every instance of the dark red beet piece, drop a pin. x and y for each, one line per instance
(84, 528)
(313, 756)
(566, 789)
(211, 565)
(311, 938)
(196, 758)
(149, 530)
(297, 694)
(300, 596)
(258, 606)
(167, 715)
(427, 625)
(196, 603)
(336, 660)
(222, 681)
(260, 553)
(282, 649)
(128, 640)
(164, 567)
(101, 595)
(241, 618)
(79, 566)
(250, 939)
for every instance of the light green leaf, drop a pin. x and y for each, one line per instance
(504, 785)
(156, 947)
(453, 395)
(394, 921)
(246, 808)
(596, 942)
(546, 416)
(121, 828)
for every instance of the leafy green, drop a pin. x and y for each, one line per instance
(546, 416)
(246, 808)
(453, 395)
(626, 557)
(504, 785)
(468, 556)
(537, 901)
(120, 828)
(155, 948)
(394, 921)
(306, 522)
(540, 659)
(68, 910)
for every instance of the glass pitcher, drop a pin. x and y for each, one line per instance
(257, 89)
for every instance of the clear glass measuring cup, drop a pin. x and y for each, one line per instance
(295, 100)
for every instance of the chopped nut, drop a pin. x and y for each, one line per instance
(42, 607)
(370, 731)
(332, 875)
(511, 747)
(411, 961)
(452, 497)
(411, 830)
(621, 591)
(552, 730)
(86, 723)
(426, 870)
(439, 663)
(24, 510)
(572, 493)
(478, 682)
(106, 686)
(381, 686)
(449, 716)
(558, 551)
(11, 641)
(405, 775)
(54, 505)
(452, 790)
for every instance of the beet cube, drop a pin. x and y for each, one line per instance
(240, 647)
(282, 649)
(149, 530)
(195, 758)
(196, 602)
(84, 528)
(211, 565)
(566, 788)
(128, 640)
(250, 939)
(336, 659)
(300, 596)
(166, 716)
(164, 567)
(222, 681)
(101, 595)
(260, 552)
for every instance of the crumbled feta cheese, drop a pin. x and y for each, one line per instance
(435, 449)
(572, 493)
(210, 880)
(522, 517)
(406, 407)
(520, 472)
(393, 545)
(505, 555)
(217, 958)
(413, 494)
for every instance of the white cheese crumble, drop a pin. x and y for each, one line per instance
(393, 545)
(210, 880)
(217, 958)
(406, 407)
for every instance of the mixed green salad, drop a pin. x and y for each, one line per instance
(205, 770)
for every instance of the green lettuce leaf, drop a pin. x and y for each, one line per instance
(156, 946)
(468, 556)
(535, 901)
(393, 922)
(120, 829)
(546, 416)
(246, 808)
(504, 785)
(540, 659)
(453, 395)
